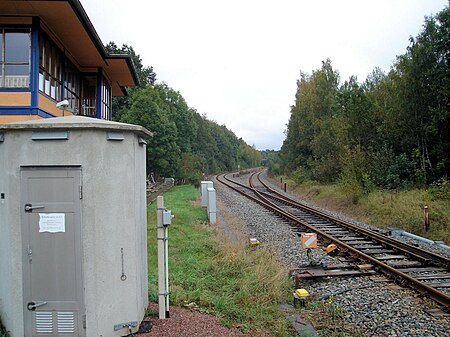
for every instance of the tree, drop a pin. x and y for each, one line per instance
(423, 82)
(310, 127)
(181, 114)
(146, 77)
(148, 110)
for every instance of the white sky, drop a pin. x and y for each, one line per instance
(238, 60)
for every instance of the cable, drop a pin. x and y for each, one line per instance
(325, 297)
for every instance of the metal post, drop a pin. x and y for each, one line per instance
(285, 187)
(161, 265)
(426, 212)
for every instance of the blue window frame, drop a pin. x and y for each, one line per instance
(106, 100)
(15, 47)
(50, 68)
(50, 72)
(89, 95)
(72, 87)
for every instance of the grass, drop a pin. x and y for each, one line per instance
(243, 286)
(386, 209)
(227, 278)
(406, 210)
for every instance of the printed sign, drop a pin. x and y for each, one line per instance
(309, 240)
(52, 222)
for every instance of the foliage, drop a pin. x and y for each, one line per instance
(392, 131)
(146, 76)
(240, 284)
(310, 138)
(185, 145)
(3, 331)
(440, 190)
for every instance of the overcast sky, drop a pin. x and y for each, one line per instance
(238, 60)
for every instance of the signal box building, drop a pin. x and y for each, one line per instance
(50, 52)
(93, 278)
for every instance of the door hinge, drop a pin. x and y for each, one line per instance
(80, 189)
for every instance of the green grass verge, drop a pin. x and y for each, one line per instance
(241, 285)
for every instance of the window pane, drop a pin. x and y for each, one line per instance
(47, 85)
(42, 54)
(52, 89)
(17, 47)
(1, 45)
(46, 55)
(17, 76)
(11, 69)
(41, 81)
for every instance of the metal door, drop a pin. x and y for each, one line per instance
(52, 259)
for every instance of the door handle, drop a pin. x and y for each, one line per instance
(30, 207)
(32, 306)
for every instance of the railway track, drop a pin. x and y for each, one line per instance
(423, 271)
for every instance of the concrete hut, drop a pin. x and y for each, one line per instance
(73, 251)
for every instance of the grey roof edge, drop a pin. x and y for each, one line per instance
(71, 125)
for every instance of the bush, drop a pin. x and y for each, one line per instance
(390, 171)
(440, 190)
(275, 168)
(3, 332)
(301, 175)
(355, 179)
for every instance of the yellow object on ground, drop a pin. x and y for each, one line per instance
(330, 248)
(254, 241)
(301, 292)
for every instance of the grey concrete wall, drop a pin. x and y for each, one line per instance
(113, 217)
(10, 245)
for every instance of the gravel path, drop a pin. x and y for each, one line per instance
(375, 308)
(185, 322)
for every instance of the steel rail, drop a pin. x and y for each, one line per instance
(426, 290)
(424, 256)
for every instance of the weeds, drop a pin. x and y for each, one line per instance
(326, 317)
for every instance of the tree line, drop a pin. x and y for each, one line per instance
(185, 144)
(391, 131)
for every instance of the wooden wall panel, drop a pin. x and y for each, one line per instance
(17, 118)
(15, 98)
(50, 106)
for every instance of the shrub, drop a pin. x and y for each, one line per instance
(440, 190)
(3, 332)
(301, 175)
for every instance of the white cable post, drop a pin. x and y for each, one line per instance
(161, 255)
(166, 251)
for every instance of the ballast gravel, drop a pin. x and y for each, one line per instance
(374, 308)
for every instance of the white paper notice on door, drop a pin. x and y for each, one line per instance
(52, 222)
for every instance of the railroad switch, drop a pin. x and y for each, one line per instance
(330, 250)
